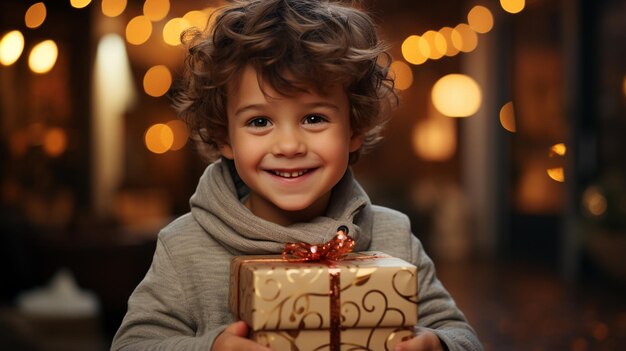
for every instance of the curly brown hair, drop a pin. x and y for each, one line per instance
(291, 44)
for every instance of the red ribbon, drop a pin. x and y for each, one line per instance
(333, 250)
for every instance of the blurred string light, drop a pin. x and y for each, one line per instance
(159, 138)
(456, 95)
(43, 56)
(113, 8)
(181, 134)
(417, 49)
(594, 202)
(54, 142)
(513, 6)
(402, 74)
(138, 30)
(79, 4)
(434, 138)
(11, 47)
(507, 117)
(157, 80)
(35, 15)
(156, 10)
(172, 30)
(557, 173)
(480, 19)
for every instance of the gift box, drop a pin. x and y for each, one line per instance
(318, 340)
(365, 296)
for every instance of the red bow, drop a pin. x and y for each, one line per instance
(332, 250)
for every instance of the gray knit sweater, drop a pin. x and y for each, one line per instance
(182, 303)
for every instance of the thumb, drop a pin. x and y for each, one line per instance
(239, 328)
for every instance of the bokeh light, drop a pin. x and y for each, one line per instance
(197, 19)
(464, 38)
(456, 95)
(54, 142)
(434, 138)
(159, 138)
(480, 19)
(402, 74)
(436, 43)
(157, 81)
(156, 10)
(43, 56)
(556, 174)
(180, 132)
(507, 117)
(412, 49)
(558, 150)
(172, 30)
(513, 6)
(451, 50)
(138, 30)
(11, 47)
(113, 8)
(79, 4)
(35, 15)
(594, 201)
(624, 85)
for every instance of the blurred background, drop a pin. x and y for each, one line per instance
(507, 153)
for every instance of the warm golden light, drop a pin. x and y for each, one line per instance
(558, 150)
(434, 138)
(157, 81)
(197, 19)
(402, 74)
(513, 6)
(507, 117)
(593, 201)
(436, 43)
(11, 47)
(43, 56)
(411, 50)
(159, 138)
(451, 50)
(35, 15)
(456, 95)
(556, 174)
(156, 10)
(464, 38)
(172, 30)
(480, 19)
(113, 8)
(79, 4)
(138, 30)
(54, 142)
(180, 132)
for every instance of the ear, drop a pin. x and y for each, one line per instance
(356, 140)
(226, 150)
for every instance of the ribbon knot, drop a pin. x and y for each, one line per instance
(333, 250)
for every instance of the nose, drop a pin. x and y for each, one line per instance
(288, 142)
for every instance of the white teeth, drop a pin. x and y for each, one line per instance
(289, 174)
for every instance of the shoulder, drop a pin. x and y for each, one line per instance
(185, 237)
(391, 233)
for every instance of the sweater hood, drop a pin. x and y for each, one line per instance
(217, 207)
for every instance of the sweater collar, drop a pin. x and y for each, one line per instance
(216, 206)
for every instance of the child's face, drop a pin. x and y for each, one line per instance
(290, 150)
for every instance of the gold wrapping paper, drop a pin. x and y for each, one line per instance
(376, 290)
(362, 339)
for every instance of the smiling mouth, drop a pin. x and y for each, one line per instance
(290, 174)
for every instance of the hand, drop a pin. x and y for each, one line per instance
(234, 338)
(424, 340)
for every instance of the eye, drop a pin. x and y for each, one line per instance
(314, 119)
(258, 122)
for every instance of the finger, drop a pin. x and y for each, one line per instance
(239, 328)
(424, 340)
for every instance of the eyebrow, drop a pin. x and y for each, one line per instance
(315, 104)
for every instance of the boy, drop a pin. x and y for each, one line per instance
(287, 93)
